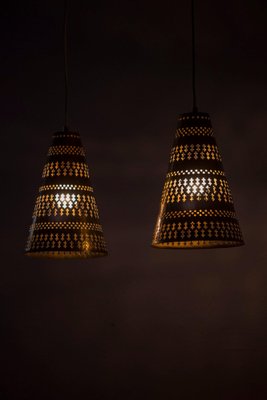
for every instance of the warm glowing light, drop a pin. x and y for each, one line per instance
(65, 200)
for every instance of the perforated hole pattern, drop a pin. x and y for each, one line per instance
(65, 218)
(196, 209)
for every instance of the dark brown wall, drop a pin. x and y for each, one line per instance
(142, 323)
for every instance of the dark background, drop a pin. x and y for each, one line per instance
(141, 323)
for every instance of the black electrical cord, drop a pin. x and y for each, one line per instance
(193, 57)
(66, 64)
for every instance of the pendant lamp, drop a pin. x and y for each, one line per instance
(65, 221)
(196, 209)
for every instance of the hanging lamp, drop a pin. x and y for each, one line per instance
(65, 222)
(196, 209)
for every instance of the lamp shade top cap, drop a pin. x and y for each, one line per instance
(67, 133)
(194, 116)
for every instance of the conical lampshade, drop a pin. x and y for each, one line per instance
(65, 219)
(196, 208)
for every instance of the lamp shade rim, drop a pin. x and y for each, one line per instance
(65, 254)
(197, 244)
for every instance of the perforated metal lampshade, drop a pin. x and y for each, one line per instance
(65, 222)
(196, 209)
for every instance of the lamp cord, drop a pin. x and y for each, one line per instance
(195, 110)
(66, 64)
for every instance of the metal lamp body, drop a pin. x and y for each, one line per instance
(196, 209)
(65, 222)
